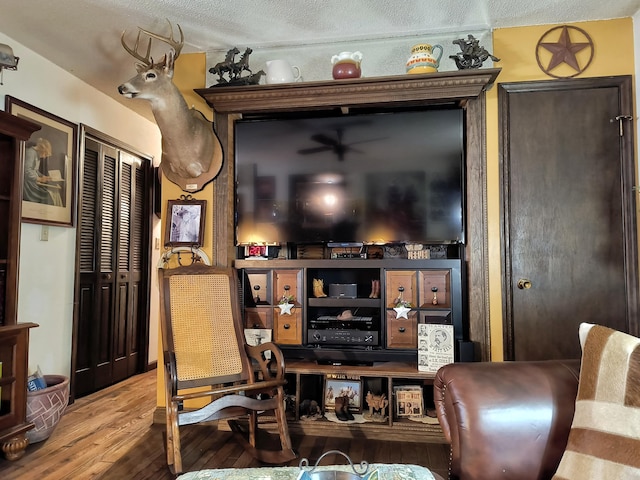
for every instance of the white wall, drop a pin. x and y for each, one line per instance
(47, 267)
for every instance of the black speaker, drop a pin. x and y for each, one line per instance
(466, 351)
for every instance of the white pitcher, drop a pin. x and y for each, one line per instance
(280, 71)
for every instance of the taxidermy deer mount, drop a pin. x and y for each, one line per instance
(191, 151)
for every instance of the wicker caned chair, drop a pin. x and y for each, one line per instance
(204, 346)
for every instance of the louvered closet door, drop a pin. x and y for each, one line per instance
(129, 265)
(113, 240)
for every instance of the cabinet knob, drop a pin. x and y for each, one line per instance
(106, 276)
(401, 288)
(287, 288)
(402, 329)
(256, 287)
(286, 326)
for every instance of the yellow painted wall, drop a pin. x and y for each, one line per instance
(516, 48)
(189, 74)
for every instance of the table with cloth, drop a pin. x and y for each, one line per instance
(385, 472)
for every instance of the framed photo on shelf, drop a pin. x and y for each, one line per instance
(50, 164)
(185, 223)
(258, 336)
(409, 402)
(338, 385)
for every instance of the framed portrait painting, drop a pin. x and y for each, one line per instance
(49, 162)
(185, 223)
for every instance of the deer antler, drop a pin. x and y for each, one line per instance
(147, 61)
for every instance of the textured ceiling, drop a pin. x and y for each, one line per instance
(83, 36)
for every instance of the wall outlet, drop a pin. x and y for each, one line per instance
(44, 233)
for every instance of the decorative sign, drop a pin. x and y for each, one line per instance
(435, 346)
(564, 49)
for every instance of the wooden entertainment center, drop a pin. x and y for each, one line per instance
(465, 277)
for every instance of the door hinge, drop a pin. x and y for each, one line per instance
(620, 118)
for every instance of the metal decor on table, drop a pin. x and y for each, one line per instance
(360, 472)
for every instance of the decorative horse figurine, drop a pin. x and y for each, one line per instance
(226, 66)
(191, 151)
(242, 64)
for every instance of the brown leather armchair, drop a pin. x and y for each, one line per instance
(506, 420)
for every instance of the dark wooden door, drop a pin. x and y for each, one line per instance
(569, 229)
(111, 322)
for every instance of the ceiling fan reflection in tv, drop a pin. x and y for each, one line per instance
(336, 145)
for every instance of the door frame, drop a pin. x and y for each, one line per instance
(624, 84)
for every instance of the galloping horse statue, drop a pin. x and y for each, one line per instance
(226, 66)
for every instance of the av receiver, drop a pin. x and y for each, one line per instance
(343, 337)
(353, 330)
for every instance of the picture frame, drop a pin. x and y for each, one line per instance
(49, 165)
(409, 401)
(258, 336)
(185, 222)
(335, 386)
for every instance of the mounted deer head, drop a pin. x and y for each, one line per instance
(191, 151)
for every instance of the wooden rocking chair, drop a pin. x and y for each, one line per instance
(204, 346)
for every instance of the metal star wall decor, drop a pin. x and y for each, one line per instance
(564, 50)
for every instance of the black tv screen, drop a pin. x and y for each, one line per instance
(372, 178)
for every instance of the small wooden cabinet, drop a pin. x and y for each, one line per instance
(264, 291)
(429, 293)
(14, 337)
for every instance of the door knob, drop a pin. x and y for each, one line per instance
(524, 283)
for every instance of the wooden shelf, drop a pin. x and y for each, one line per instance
(341, 302)
(441, 87)
(403, 370)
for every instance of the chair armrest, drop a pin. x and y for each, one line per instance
(170, 372)
(506, 420)
(270, 368)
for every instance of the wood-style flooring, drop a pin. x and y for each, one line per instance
(110, 435)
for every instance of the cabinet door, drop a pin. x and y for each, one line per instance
(435, 289)
(289, 283)
(402, 332)
(401, 284)
(258, 318)
(259, 286)
(288, 328)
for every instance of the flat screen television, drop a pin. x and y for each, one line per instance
(370, 177)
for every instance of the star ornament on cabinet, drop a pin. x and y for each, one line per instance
(285, 308)
(569, 49)
(401, 312)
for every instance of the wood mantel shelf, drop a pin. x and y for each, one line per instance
(437, 87)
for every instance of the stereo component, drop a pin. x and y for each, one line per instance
(343, 337)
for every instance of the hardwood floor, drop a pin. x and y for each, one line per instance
(110, 435)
